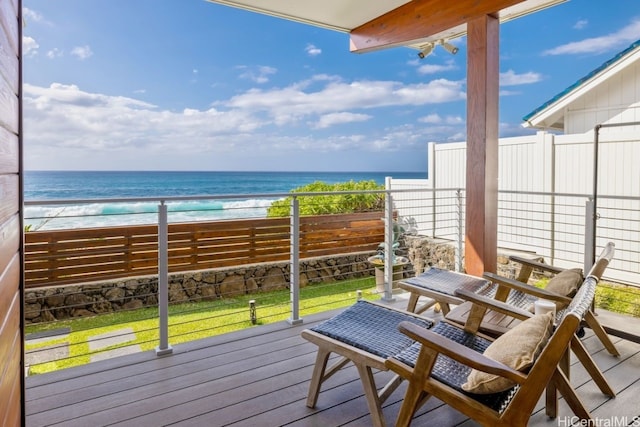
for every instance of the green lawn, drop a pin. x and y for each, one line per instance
(613, 297)
(192, 321)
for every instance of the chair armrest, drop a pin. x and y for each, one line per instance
(527, 289)
(493, 304)
(459, 352)
(536, 264)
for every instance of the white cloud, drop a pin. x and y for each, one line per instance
(54, 53)
(82, 52)
(431, 119)
(291, 103)
(504, 92)
(437, 119)
(31, 15)
(312, 50)
(602, 44)
(65, 116)
(582, 23)
(328, 120)
(71, 128)
(511, 78)
(457, 137)
(454, 120)
(436, 68)
(508, 130)
(257, 75)
(29, 46)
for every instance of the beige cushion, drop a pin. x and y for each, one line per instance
(565, 283)
(517, 348)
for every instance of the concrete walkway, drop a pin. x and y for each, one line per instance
(60, 350)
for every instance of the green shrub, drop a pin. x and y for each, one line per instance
(334, 203)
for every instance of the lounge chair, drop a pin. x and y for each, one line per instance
(366, 334)
(446, 366)
(520, 294)
(513, 303)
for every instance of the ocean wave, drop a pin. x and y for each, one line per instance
(48, 217)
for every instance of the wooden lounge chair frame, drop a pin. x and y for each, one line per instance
(370, 321)
(545, 372)
(487, 315)
(528, 266)
(496, 324)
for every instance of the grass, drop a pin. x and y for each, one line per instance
(194, 320)
(197, 320)
(618, 298)
(613, 297)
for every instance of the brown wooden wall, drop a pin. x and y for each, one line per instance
(64, 257)
(11, 363)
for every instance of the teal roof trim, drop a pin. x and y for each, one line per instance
(583, 80)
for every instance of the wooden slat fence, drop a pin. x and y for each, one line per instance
(63, 257)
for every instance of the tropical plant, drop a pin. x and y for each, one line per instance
(331, 203)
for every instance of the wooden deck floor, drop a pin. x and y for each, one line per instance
(259, 377)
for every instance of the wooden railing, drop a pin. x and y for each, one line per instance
(95, 254)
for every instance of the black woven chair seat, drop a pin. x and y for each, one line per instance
(454, 374)
(371, 328)
(447, 282)
(524, 301)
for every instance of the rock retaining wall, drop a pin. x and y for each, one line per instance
(63, 302)
(50, 304)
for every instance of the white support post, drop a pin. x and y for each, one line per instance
(388, 244)
(163, 281)
(589, 235)
(431, 177)
(294, 259)
(460, 249)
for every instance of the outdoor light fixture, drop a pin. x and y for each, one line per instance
(449, 47)
(426, 51)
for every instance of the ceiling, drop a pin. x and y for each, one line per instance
(349, 15)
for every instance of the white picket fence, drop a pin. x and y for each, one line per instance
(545, 182)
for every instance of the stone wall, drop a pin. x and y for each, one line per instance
(50, 304)
(426, 252)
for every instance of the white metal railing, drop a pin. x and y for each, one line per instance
(555, 226)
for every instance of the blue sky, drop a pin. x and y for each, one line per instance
(191, 85)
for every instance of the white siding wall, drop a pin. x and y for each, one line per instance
(561, 164)
(615, 100)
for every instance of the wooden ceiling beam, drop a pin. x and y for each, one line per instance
(420, 19)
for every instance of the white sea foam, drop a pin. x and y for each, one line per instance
(113, 214)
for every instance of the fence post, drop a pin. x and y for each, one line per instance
(163, 281)
(458, 255)
(589, 234)
(431, 176)
(388, 247)
(294, 263)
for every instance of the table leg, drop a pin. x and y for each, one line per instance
(413, 302)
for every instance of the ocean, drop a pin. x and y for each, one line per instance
(89, 185)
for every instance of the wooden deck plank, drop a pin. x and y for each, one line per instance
(186, 403)
(203, 377)
(77, 378)
(619, 372)
(260, 376)
(159, 369)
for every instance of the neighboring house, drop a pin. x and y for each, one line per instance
(603, 105)
(608, 94)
